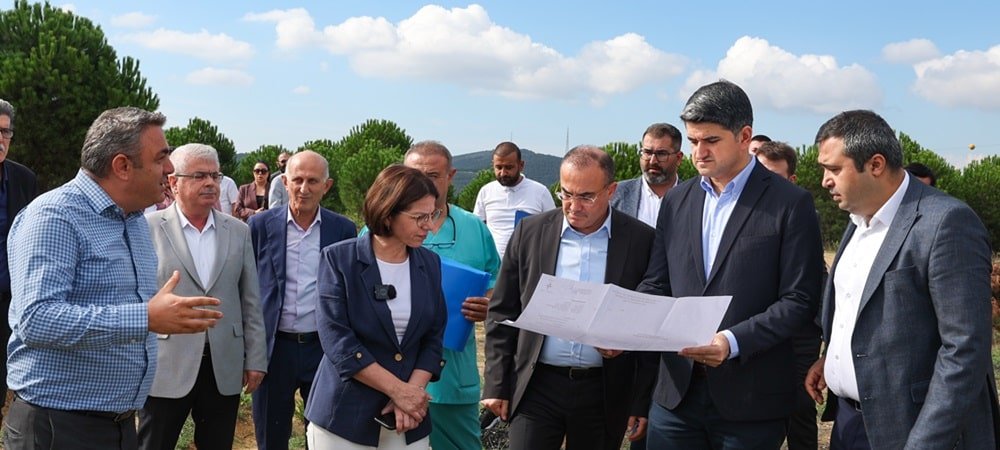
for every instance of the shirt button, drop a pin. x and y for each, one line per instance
(398, 357)
(358, 355)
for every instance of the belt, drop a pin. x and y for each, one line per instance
(573, 373)
(113, 416)
(301, 338)
(852, 403)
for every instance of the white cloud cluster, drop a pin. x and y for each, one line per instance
(464, 46)
(778, 79)
(202, 45)
(133, 20)
(961, 79)
(910, 52)
(211, 76)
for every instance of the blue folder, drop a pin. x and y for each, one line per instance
(459, 282)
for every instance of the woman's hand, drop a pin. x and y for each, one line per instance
(412, 400)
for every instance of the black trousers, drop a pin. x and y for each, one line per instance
(801, 426)
(4, 338)
(849, 428)
(30, 427)
(292, 368)
(161, 419)
(555, 407)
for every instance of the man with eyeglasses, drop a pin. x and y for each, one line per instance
(500, 202)
(18, 187)
(659, 157)
(276, 193)
(459, 235)
(553, 389)
(203, 374)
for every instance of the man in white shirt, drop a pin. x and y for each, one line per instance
(277, 195)
(228, 195)
(500, 202)
(905, 313)
(659, 157)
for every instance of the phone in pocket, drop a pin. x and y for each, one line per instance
(387, 420)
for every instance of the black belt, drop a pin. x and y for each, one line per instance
(573, 373)
(301, 338)
(852, 403)
(113, 416)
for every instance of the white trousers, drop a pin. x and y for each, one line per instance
(321, 439)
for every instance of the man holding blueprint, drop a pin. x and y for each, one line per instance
(553, 389)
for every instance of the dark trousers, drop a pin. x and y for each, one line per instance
(292, 367)
(801, 425)
(848, 428)
(30, 427)
(4, 338)
(696, 424)
(214, 415)
(555, 407)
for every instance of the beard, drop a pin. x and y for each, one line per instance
(509, 181)
(658, 178)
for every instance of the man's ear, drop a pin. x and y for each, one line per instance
(121, 167)
(876, 164)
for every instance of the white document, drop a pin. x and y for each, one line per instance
(612, 317)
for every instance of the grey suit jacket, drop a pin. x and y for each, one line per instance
(626, 196)
(237, 340)
(921, 343)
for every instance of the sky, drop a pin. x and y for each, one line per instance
(471, 75)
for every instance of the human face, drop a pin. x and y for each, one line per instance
(435, 167)
(716, 152)
(851, 190)
(150, 172)
(583, 216)
(778, 166)
(754, 145)
(196, 196)
(5, 124)
(507, 169)
(260, 173)
(283, 160)
(409, 230)
(306, 183)
(655, 171)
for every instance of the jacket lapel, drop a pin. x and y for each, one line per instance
(695, 209)
(617, 249)
(222, 242)
(419, 287)
(900, 227)
(370, 278)
(552, 229)
(277, 233)
(757, 183)
(171, 226)
(828, 293)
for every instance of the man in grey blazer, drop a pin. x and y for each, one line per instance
(906, 311)
(659, 157)
(203, 373)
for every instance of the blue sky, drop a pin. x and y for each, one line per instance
(473, 74)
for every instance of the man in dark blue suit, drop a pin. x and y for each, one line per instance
(287, 243)
(737, 230)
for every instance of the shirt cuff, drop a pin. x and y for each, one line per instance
(734, 347)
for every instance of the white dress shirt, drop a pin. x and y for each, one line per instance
(496, 205)
(228, 194)
(277, 195)
(298, 312)
(201, 245)
(849, 277)
(649, 203)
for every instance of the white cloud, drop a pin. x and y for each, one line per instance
(133, 20)
(775, 78)
(219, 77)
(68, 7)
(301, 90)
(962, 79)
(464, 46)
(910, 52)
(202, 45)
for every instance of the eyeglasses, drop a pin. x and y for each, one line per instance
(588, 198)
(200, 176)
(260, 171)
(661, 155)
(7, 133)
(445, 244)
(423, 219)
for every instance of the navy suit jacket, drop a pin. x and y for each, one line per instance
(770, 259)
(356, 330)
(268, 233)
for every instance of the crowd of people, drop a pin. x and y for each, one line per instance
(149, 288)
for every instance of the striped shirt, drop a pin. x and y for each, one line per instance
(81, 273)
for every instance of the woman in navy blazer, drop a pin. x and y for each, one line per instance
(379, 351)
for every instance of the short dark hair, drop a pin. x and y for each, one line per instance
(865, 135)
(585, 155)
(394, 189)
(723, 103)
(779, 151)
(761, 138)
(116, 131)
(261, 161)
(661, 130)
(506, 148)
(424, 148)
(921, 171)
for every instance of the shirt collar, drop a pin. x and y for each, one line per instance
(649, 190)
(516, 187)
(888, 210)
(733, 187)
(187, 223)
(289, 218)
(98, 197)
(605, 226)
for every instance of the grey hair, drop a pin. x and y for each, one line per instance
(426, 148)
(116, 131)
(186, 153)
(723, 103)
(586, 155)
(865, 135)
(6, 109)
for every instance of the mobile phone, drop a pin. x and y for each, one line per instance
(387, 420)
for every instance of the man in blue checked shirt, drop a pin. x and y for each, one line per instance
(81, 357)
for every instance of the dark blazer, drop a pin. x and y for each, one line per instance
(246, 204)
(511, 353)
(268, 233)
(22, 188)
(922, 337)
(770, 259)
(356, 330)
(627, 195)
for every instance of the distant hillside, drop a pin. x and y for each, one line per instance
(541, 168)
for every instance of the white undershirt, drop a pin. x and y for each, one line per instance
(398, 275)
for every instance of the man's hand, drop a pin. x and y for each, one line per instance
(711, 355)
(497, 406)
(636, 428)
(251, 380)
(816, 381)
(171, 314)
(608, 354)
(474, 308)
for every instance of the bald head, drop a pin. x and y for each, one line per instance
(311, 159)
